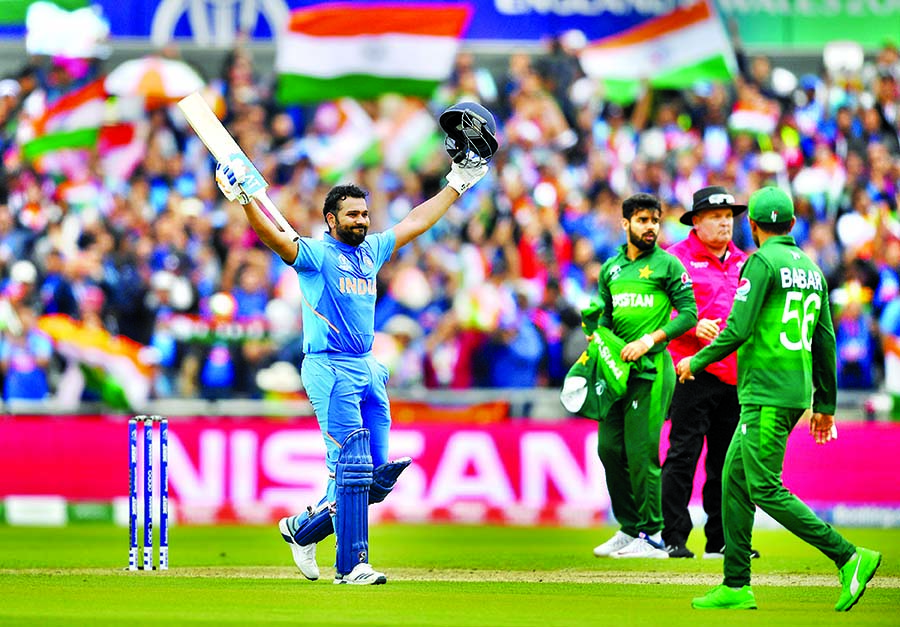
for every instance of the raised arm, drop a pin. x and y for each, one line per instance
(282, 242)
(426, 215)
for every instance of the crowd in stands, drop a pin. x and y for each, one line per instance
(491, 296)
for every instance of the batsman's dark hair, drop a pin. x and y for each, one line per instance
(338, 194)
(775, 228)
(638, 202)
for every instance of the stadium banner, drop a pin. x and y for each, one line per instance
(808, 24)
(255, 470)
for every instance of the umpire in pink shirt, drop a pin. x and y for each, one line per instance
(707, 407)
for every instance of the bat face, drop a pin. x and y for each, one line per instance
(219, 141)
(221, 144)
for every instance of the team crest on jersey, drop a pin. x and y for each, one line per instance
(344, 263)
(367, 261)
(645, 272)
(743, 290)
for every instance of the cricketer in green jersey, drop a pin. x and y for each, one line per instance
(780, 324)
(639, 288)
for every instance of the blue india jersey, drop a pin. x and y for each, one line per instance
(338, 285)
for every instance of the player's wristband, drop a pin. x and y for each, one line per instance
(648, 340)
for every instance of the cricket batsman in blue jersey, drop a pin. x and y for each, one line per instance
(346, 385)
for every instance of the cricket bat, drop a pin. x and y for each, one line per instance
(221, 144)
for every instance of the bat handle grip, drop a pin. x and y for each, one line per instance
(263, 199)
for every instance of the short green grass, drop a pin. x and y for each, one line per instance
(443, 575)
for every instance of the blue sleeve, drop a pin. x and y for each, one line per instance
(889, 323)
(382, 246)
(310, 253)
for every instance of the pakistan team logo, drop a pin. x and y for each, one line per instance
(743, 290)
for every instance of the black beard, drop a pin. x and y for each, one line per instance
(639, 243)
(351, 236)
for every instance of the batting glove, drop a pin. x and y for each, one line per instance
(229, 177)
(461, 178)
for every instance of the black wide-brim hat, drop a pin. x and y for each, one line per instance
(712, 197)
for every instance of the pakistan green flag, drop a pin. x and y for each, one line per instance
(598, 378)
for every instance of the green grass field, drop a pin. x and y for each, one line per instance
(437, 575)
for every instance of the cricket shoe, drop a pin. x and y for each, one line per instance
(362, 575)
(854, 576)
(642, 547)
(617, 542)
(724, 598)
(304, 556)
(679, 550)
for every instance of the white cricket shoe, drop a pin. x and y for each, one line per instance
(617, 542)
(362, 575)
(641, 547)
(304, 556)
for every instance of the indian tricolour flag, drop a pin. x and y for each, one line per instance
(365, 50)
(673, 51)
(72, 121)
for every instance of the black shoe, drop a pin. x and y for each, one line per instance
(678, 550)
(754, 554)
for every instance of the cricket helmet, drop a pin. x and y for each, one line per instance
(471, 133)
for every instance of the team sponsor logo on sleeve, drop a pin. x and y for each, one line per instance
(686, 279)
(743, 290)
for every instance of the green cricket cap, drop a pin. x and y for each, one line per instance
(770, 205)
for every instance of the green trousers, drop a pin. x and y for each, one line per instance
(751, 477)
(628, 445)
